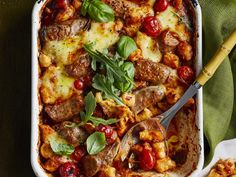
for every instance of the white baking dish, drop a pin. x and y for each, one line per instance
(39, 171)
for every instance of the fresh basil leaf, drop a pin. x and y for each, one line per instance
(96, 142)
(106, 86)
(126, 46)
(90, 105)
(84, 7)
(96, 121)
(128, 67)
(60, 147)
(100, 12)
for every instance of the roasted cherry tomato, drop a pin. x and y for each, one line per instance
(78, 153)
(79, 84)
(185, 73)
(147, 159)
(88, 79)
(106, 129)
(62, 4)
(160, 5)
(113, 138)
(69, 169)
(151, 26)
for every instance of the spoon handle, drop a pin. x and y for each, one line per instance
(201, 79)
(167, 116)
(208, 71)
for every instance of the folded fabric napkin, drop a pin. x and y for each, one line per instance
(219, 20)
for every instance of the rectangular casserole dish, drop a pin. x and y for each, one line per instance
(195, 162)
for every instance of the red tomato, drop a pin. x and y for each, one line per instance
(151, 26)
(113, 137)
(160, 5)
(106, 129)
(78, 153)
(185, 73)
(62, 4)
(88, 79)
(147, 159)
(79, 85)
(69, 169)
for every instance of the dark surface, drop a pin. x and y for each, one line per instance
(15, 85)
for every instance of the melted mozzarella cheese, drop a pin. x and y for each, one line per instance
(55, 85)
(169, 20)
(103, 35)
(149, 47)
(61, 51)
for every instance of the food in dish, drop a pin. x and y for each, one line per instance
(104, 66)
(223, 168)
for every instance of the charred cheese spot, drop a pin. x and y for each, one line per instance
(56, 85)
(169, 20)
(149, 47)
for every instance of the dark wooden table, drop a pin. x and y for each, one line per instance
(15, 87)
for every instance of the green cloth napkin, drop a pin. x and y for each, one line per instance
(219, 20)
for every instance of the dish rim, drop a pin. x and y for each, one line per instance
(36, 166)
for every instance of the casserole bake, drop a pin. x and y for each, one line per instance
(83, 57)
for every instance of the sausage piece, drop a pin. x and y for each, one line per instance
(64, 29)
(74, 135)
(146, 70)
(169, 39)
(80, 68)
(147, 97)
(91, 164)
(117, 6)
(65, 110)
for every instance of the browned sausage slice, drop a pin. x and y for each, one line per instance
(65, 110)
(74, 135)
(80, 68)
(169, 39)
(146, 70)
(147, 97)
(91, 164)
(64, 29)
(117, 6)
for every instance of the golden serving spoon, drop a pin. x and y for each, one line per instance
(162, 121)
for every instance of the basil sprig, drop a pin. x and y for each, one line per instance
(90, 105)
(60, 146)
(96, 142)
(97, 10)
(126, 46)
